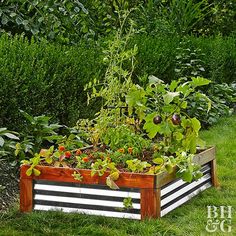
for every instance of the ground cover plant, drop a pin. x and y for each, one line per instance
(66, 22)
(175, 223)
(38, 75)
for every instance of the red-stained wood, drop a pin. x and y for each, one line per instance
(214, 178)
(126, 179)
(61, 174)
(26, 195)
(149, 203)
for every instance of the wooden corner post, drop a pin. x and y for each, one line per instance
(214, 178)
(26, 193)
(150, 201)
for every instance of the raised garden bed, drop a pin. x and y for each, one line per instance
(152, 196)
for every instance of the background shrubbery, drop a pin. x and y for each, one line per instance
(66, 21)
(43, 78)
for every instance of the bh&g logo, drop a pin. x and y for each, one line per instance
(219, 218)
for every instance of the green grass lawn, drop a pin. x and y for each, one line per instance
(189, 219)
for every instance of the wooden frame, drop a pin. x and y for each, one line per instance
(156, 194)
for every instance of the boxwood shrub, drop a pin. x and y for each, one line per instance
(43, 78)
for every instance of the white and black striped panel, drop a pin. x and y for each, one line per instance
(87, 199)
(178, 192)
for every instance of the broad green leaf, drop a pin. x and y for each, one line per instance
(154, 80)
(187, 176)
(29, 171)
(51, 149)
(36, 172)
(169, 168)
(192, 142)
(169, 97)
(2, 129)
(27, 116)
(185, 123)
(151, 129)
(196, 124)
(199, 81)
(40, 19)
(207, 99)
(49, 160)
(55, 126)
(151, 170)
(11, 136)
(164, 128)
(127, 202)
(115, 175)
(1, 141)
(53, 137)
(4, 19)
(158, 161)
(36, 159)
(110, 183)
(198, 175)
(18, 148)
(13, 14)
(184, 89)
(201, 143)
(57, 154)
(149, 117)
(184, 104)
(157, 168)
(173, 85)
(179, 136)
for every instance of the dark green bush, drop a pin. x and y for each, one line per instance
(69, 20)
(45, 79)
(157, 56)
(42, 78)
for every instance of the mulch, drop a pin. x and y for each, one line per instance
(9, 184)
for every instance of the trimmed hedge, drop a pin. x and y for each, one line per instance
(43, 78)
(157, 56)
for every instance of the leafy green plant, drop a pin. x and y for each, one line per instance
(117, 79)
(39, 133)
(169, 102)
(187, 170)
(77, 176)
(186, 14)
(163, 108)
(220, 21)
(189, 62)
(136, 165)
(53, 20)
(7, 141)
(222, 98)
(127, 202)
(33, 162)
(122, 136)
